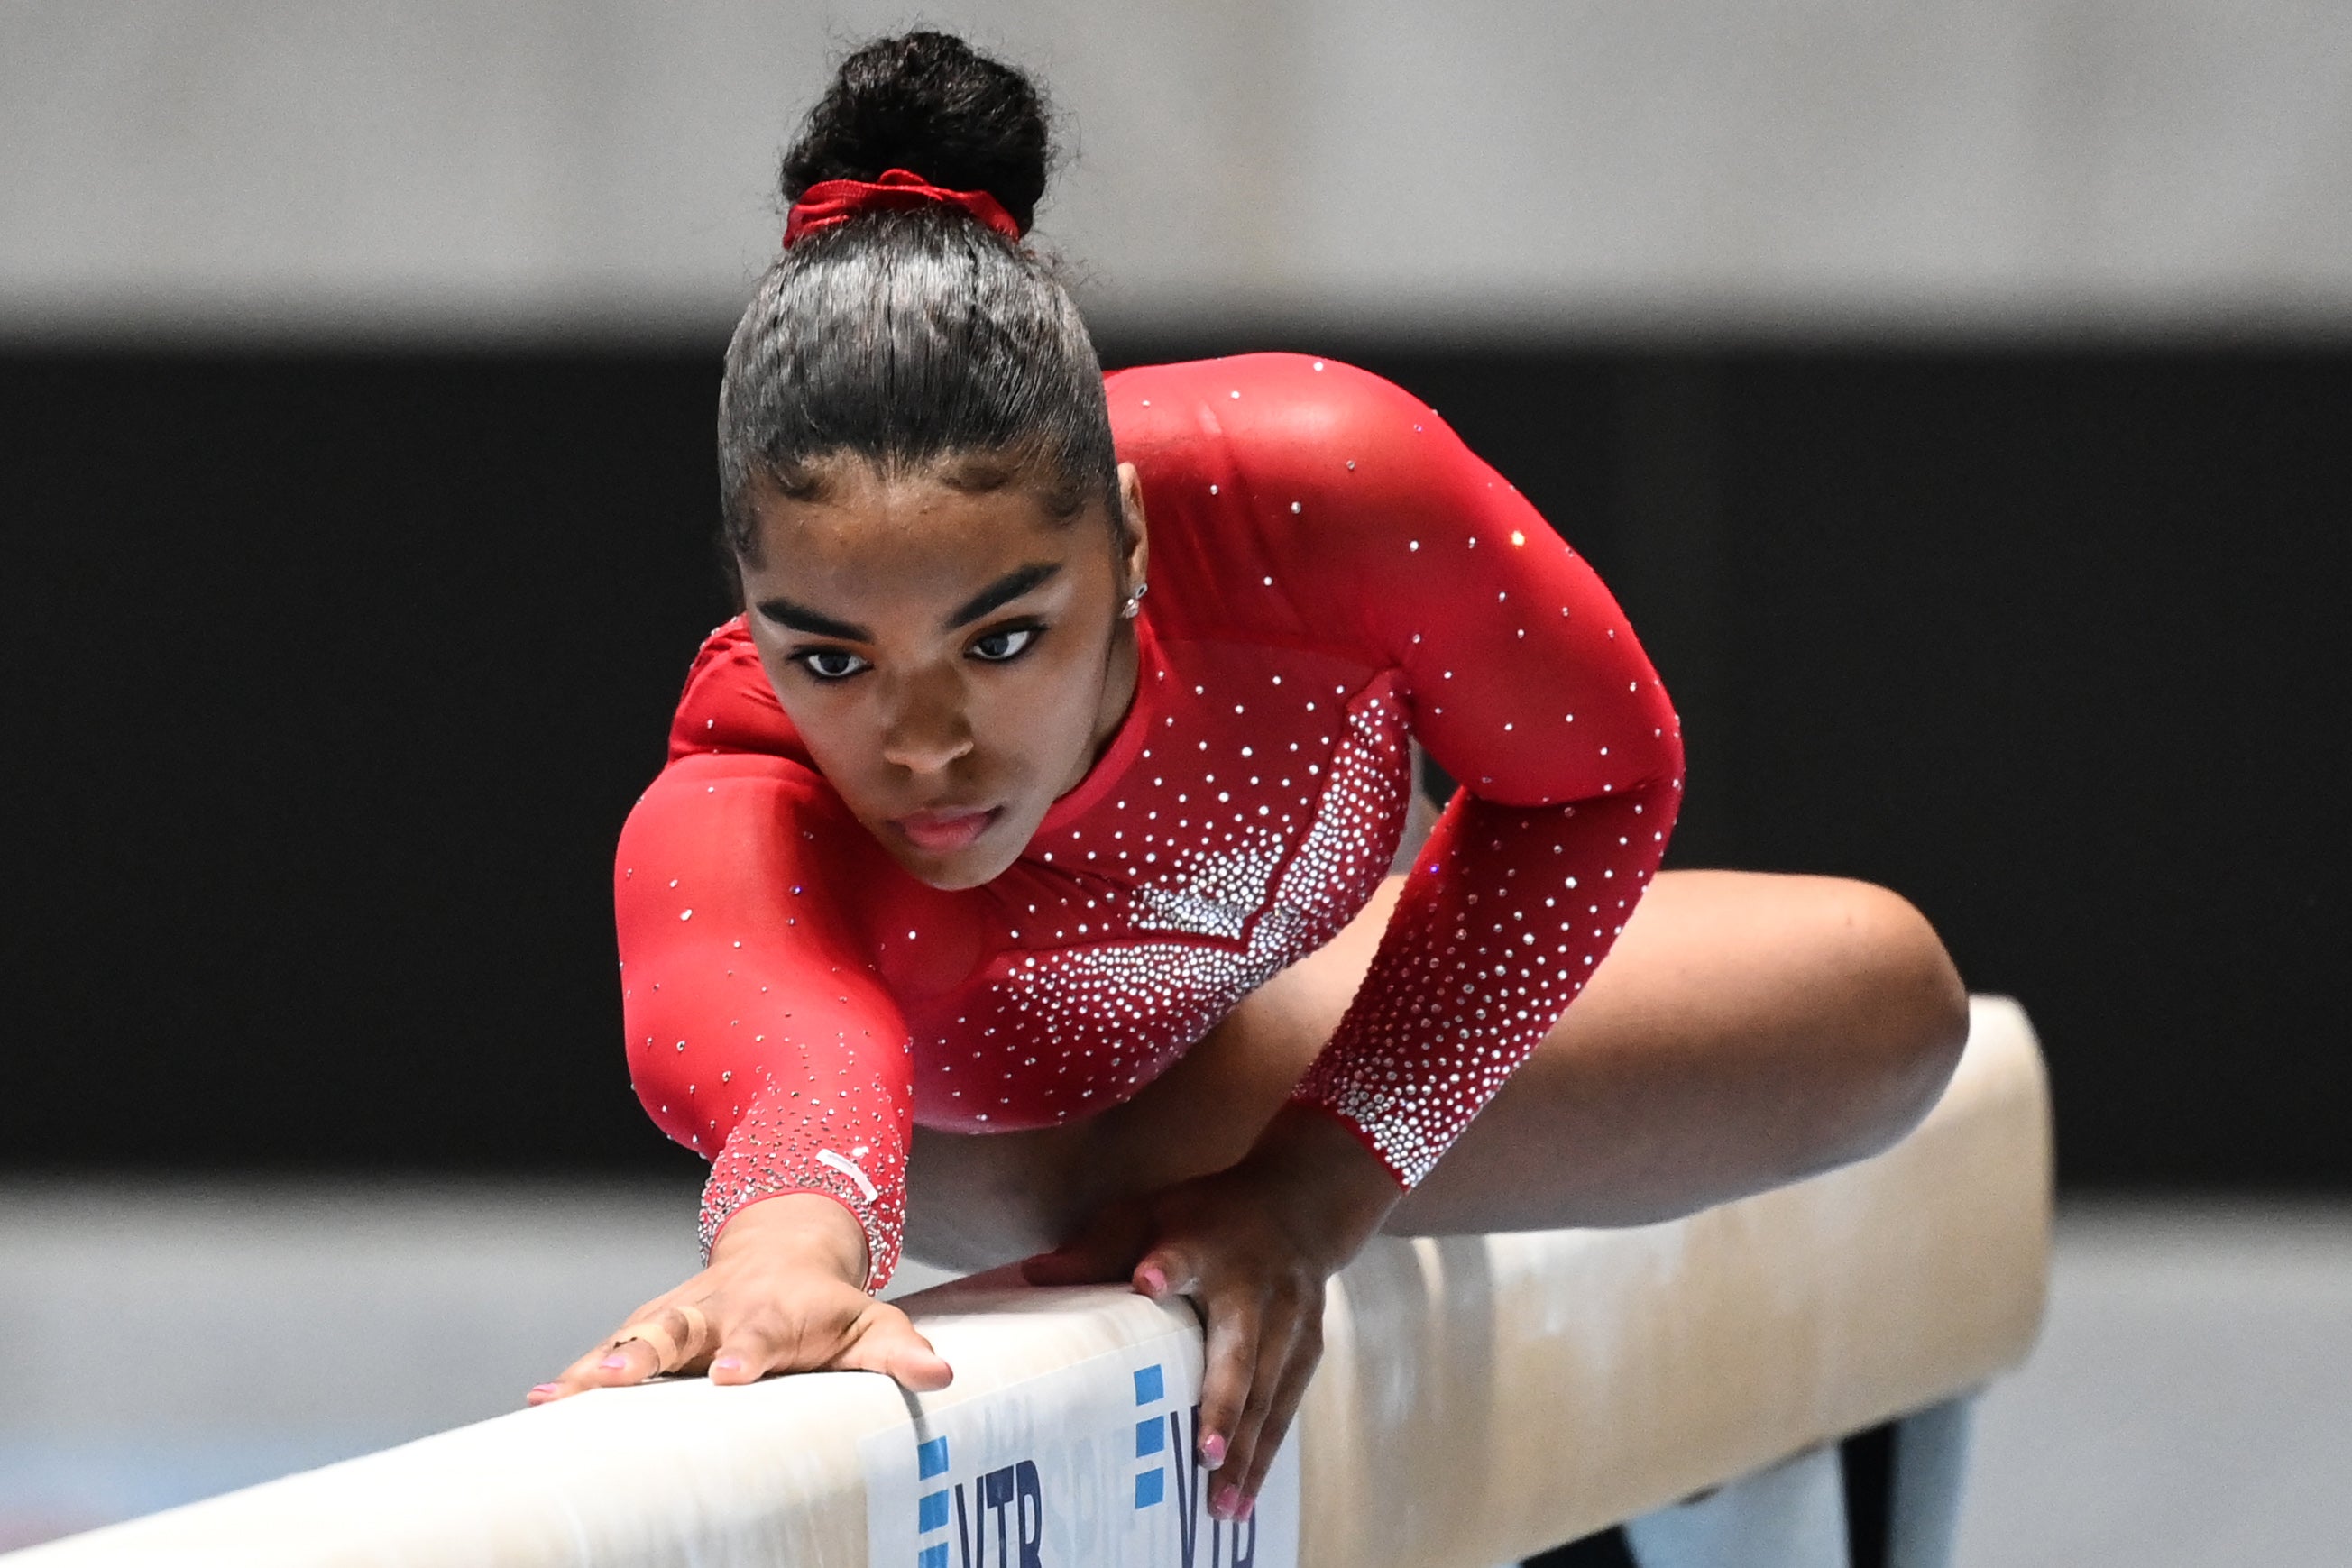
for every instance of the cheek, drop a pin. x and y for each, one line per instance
(1064, 698)
(1030, 732)
(839, 735)
(1021, 724)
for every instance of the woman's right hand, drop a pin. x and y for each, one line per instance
(781, 1294)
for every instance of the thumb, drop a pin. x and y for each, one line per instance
(1101, 1254)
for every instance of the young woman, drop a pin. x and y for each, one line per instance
(990, 905)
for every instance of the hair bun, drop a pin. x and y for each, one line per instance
(930, 103)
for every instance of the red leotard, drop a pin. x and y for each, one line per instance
(1332, 572)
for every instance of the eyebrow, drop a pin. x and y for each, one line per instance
(1004, 591)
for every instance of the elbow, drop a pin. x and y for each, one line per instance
(1661, 785)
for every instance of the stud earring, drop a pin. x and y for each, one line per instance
(1135, 601)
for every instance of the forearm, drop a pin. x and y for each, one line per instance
(1331, 1189)
(855, 1158)
(1504, 918)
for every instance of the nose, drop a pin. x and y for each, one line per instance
(926, 728)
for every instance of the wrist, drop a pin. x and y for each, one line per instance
(1337, 1189)
(800, 1229)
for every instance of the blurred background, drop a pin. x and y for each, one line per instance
(1959, 398)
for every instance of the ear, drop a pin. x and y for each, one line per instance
(1130, 506)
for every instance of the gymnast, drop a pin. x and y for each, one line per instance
(1020, 883)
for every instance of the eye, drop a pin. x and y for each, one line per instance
(991, 648)
(809, 662)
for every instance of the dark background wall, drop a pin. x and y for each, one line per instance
(330, 677)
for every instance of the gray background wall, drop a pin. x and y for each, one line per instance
(1653, 166)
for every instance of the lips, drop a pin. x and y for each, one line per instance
(942, 832)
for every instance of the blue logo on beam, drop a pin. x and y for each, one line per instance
(931, 1509)
(1151, 1387)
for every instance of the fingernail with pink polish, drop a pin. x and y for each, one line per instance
(1226, 1502)
(727, 1363)
(1212, 1449)
(542, 1389)
(1152, 1281)
(1249, 1506)
(614, 1363)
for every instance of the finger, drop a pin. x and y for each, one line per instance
(888, 1342)
(750, 1350)
(679, 1335)
(1230, 1354)
(1102, 1253)
(609, 1365)
(585, 1373)
(697, 1339)
(1166, 1271)
(1277, 1333)
(804, 1333)
(631, 1360)
(879, 1338)
(1297, 1372)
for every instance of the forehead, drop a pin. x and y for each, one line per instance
(860, 531)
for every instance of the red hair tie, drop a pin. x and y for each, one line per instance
(830, 202)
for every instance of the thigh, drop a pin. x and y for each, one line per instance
(1746, 1029)
(978, 1200)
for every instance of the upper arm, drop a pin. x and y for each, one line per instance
(1526, 682)
(738, 964)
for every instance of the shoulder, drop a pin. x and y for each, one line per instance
(728, 704)
(1284, 428)
(1302, 378)
(1336, 488)
(1264, 405)
(1278, 438)
(737, 783)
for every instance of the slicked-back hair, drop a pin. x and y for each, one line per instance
(913, 337)
(906, 338)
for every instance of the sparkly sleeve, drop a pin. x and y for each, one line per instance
(757, 1035)
(1527, 686)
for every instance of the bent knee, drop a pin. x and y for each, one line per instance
(1910, 1007)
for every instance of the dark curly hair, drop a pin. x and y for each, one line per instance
(904, 337)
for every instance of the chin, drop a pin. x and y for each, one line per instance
(952, 873)
(962, 873)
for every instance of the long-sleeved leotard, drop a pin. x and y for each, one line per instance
(1332, 574)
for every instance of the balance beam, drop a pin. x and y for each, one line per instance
(1481, 1399)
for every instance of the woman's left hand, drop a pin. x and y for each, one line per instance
(1252, 1246)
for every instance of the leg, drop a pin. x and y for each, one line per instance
(1757, 1029)
(1746, 1030)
